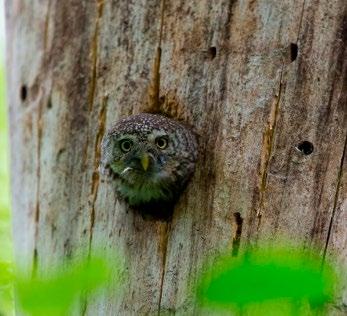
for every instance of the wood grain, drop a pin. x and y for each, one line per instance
(255, 78)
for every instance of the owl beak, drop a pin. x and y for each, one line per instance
(145, 161)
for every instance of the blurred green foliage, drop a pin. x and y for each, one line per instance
(276, 281)
(61, 288)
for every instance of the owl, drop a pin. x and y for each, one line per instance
(150, 157)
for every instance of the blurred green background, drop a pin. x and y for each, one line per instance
(6, 299)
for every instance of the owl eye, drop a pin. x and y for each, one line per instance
(125, 145)
(161, 142)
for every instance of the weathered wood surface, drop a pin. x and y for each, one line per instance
(230, 68)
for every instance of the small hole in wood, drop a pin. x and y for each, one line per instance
(305, 147)
(23, 92)
(237, 237)
(49, 103)
(293, 51)
(212, 52)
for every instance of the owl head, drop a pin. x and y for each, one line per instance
(151, 157)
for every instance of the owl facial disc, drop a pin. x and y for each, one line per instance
(150, 157)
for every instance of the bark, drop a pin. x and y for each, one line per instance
(261, 81)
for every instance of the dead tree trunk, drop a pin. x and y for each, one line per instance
(264, 84)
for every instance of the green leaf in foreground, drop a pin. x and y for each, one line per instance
(6, 274)
(6, 287)
(267, 276)
(57, 292)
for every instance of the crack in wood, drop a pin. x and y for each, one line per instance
(154, 106)
(336, 197)
(101, 120)
(95, 186)
(94, 53)
(238, 232)
(164, 238)
(34, 267)
(153, 102)
(45, 33)
(96, 177)
(38, 177)
(301, 19)
(267, 148)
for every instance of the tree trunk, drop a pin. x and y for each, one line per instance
(262, 82)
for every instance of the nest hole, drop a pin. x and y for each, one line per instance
(293, 51)
(23, 92)
(49, 103)
(212, 52)
(306, 148)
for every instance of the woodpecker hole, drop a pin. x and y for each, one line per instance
(293, 51)
(23, 92)
(212, 51)
(237, 237)
(305, 147)
(49, 103)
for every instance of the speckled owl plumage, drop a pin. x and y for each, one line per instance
(150, 157)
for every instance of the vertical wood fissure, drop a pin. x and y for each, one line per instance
(164, 246)
(38, 175)
(267, 149)
(154, 106)
(154, 86)
(45, 38)
(336, 197)
(301, 19)
(96, 177)
(94, 52)
(101, 120)
(237, 236)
